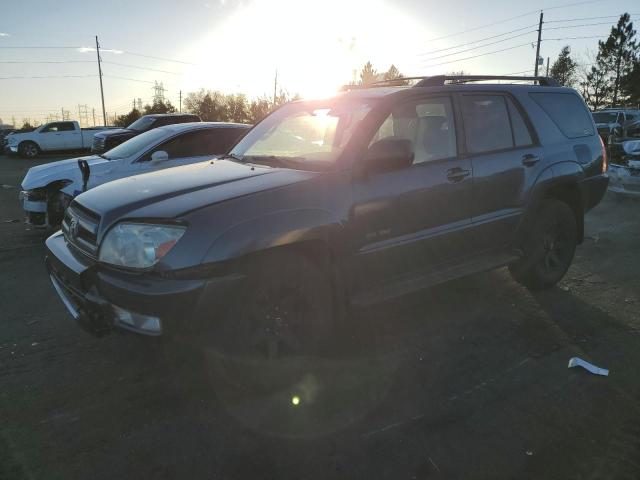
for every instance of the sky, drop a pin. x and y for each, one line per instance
(236, 46)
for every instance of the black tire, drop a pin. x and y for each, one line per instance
(285, 309)
(28, 150)
(549, 248)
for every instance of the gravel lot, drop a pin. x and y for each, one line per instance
(465, 380)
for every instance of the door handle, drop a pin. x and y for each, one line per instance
(456, 174)
(530, 159)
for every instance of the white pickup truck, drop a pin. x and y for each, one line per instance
(52, 137)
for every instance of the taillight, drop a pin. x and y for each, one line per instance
(605, 160)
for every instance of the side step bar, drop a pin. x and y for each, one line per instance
(416, 281)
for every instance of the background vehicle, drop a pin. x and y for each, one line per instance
(107, 140)
(619, 122)
(50, 137)
(351, 200)
(47, 189)
(625, 172)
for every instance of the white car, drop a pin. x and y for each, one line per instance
(624, 178)
(51, 137)
(48, 189)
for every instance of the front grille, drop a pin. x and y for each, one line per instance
(98, 144)
(80, 229)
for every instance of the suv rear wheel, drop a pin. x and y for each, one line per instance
(285, 309)
(550, 247)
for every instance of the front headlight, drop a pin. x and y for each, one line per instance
(137, 245)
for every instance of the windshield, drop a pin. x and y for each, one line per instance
(311, 134)
(142, 124)
(605, 117)
(135, 145)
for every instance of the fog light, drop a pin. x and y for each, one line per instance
(144, 323)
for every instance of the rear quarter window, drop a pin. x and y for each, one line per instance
(567, 111)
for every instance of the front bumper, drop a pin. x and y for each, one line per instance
(624, 180)
(593, 189)
(102, 299)
(13, 148)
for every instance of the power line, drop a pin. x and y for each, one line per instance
(587, 18)
(477, 56)
(575, 38)
(46, 76)
(140, 68)
(576, 26)
(157, 58)
(49, 61)
(479, 40)
(40, 47)
(128, 78)
(482, 46)
(512, 18)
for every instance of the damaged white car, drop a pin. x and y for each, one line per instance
(47, 190)
(625, 175)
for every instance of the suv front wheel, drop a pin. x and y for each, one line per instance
(285, 309)
(549, 248)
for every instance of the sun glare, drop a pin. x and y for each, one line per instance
(315, 46)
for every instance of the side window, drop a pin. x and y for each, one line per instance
(486, 123)
(521, 135)
(191, 144)
(428, 123)
(567, 111)
(220, 140)
(53, 127)
(66, 126)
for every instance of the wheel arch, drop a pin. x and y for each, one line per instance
(560, 182)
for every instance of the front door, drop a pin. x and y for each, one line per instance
(414, 218)
(53, 136)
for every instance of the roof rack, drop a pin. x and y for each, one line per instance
(439, 80)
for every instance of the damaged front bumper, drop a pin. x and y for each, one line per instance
(624, 180)
(102, 299)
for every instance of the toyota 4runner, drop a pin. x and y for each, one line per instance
(351, 200)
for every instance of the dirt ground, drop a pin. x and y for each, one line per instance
(465, 380)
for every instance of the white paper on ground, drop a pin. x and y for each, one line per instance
(578, 362)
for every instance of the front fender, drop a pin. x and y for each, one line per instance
(285, 227)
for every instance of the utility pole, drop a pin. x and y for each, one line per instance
(538, 45)
(180, 107)
(275, 87)
(93, 111)
(104, 113)
(547, 66)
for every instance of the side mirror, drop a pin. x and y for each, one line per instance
(159, 156)
(389, 154)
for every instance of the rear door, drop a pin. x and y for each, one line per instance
(412, 219)
(72, 135)
(506, 159)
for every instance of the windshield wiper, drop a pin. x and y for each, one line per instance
(232, 156)
(273, 160)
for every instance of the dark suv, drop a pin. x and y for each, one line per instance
(351, 200)
(105, 141)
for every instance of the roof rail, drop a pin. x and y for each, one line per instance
(439, 80)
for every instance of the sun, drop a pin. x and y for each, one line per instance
(315, 47)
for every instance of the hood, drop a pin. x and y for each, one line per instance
(112, 132)
(175, 191)
(43, 175)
